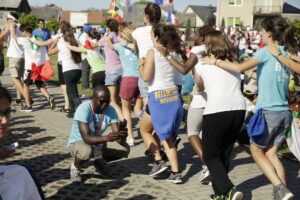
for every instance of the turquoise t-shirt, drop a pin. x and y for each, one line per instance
(84, 114)
(129, 60)
(273, 80)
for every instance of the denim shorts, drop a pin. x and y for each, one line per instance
(113, 77)
(143, 87)
(278, 123)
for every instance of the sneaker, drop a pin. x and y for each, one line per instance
(282, 193)
(75, 174)
(214, 197)
(130, 142)
(52, 103)
(233, 194)
(175, 178)
(26, 109)
(101, 167)
(158, 168)
(204, 175)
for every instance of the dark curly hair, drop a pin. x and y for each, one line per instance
(168, 38)
(204, 30)
(94, 34)
(113, 25)
(153, 11)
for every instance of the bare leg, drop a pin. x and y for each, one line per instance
(113, 89)
(138, 107)
(196, 144)
(171, 152)
(44, 91)
(64, 91)
(146, 132)
(264, 164)
(271, 154)
(19, 87)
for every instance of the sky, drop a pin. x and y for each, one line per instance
(180, 5)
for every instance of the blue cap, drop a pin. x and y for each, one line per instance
(87, 28)
(102, 30)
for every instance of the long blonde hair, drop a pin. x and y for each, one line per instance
(125, 31)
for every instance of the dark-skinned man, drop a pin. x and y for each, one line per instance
(87, 140)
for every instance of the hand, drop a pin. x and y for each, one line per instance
(67, 43)
(113, 136)
(210, 60)
(142, 61)
(164, 52)
(274, 50)
(5, 153)
(107, 38)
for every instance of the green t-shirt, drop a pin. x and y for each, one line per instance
(94, 60)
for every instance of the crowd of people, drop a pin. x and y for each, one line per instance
(236, 75)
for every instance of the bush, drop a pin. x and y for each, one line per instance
(29, 18)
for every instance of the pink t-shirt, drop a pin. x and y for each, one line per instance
(112, 59)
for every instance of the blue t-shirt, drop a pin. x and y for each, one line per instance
(84, 114)
(129, 60)
(44, 33)
(273, 79)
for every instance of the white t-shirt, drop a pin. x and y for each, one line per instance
(66, 57)
(82, 38)
(27, 52)
(199, 100)
(142, 36)
(14, 50)
(164, 74)
(222, 88)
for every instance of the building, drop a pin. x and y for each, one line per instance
(47, 12)
(290, 12)
(77, 18)
(202, 13)
(246, 12)
(6, 6)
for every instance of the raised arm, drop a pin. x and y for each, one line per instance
(294, 66)
(294, 57)
(73, 48)
(13, 32)
(53, 51)
(147, 68)
(184, 68)
(4, 33)
(109, 42)
(43, 43)
(231, 66)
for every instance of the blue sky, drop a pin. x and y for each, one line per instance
(180, 5)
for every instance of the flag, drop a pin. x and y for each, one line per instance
(41, 68)
(119, 8)
(293, 138)
(160, 2)
(172, 18)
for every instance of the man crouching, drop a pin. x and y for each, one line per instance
(87, 140)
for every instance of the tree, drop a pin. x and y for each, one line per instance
(223, 22)
(29, 18)
(206, 21)
(296, 24)
(257, 26)
(52, 25)
(142, 2)
(188, 28)
(90, 10)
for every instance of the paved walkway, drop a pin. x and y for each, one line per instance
(43, 134)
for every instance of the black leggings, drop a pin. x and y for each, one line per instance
(72, 78)
(220, 131)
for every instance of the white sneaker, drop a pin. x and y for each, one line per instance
(130, 142)
(75, 174)
(204, 175)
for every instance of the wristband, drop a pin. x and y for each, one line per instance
(278, 55)
(32, 39)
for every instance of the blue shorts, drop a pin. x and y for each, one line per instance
(113, 77)
(278, 123)
(143, 87)
(166, 112)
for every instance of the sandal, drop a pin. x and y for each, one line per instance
(64, 110)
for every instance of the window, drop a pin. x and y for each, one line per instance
(235, 2)
(234, 21)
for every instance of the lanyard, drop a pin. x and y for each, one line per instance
(97, 128)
